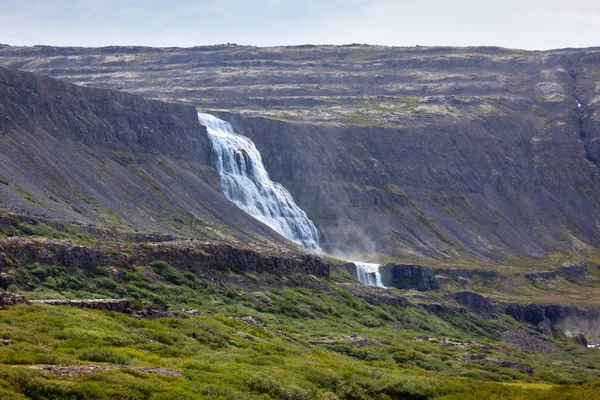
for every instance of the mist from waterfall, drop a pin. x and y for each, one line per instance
(245, 181)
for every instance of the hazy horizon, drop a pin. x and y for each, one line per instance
(536, 25)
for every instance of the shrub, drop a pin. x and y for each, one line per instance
(165, 270)
(105, 355)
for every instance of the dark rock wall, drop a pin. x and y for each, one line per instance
(422, 278)
(185, 255)
(483, 188)
(112, 159)
(108, 118)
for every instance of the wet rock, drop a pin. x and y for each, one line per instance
(581, 340)
(351, 268)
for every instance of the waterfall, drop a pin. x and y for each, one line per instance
(246, 183)
(368, 274)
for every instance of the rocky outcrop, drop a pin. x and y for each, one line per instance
(351, 269)
(581, 339)
(542, 275)
(484, 359)
(116, 305)
(186, 255)
(409, 276)
(376, 296)
(70, 371)
(133, 308)
(478, 303)
(10, 299)
(522, 340)
(543, 317)
(223, 256)
(575, 269)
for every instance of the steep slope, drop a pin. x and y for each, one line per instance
(112, 159)
(449, 153)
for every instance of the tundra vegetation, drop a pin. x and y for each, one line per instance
(262, 336)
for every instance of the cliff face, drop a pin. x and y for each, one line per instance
(113, 159)
(490, 188)
(443, 152)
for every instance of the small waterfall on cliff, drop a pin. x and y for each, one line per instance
(245, 182)
(368, 273)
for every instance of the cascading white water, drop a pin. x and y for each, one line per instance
(245, 182)
(368, 273)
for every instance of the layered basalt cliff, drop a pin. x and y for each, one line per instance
(482, 153)
(186, 255)
(568, 318)
(422, 278)
(114, 160)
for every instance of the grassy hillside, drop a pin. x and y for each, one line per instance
(265, 336)
(217, 356)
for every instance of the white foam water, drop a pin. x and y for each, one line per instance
(245, 181)
(368, 273)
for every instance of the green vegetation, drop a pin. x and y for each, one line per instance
(25, 194)
(552, 99)
(267, 336)
(41, 229)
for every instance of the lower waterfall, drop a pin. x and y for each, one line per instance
(368, 273)
(245, 182)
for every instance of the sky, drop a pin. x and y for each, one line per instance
(525, 24)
